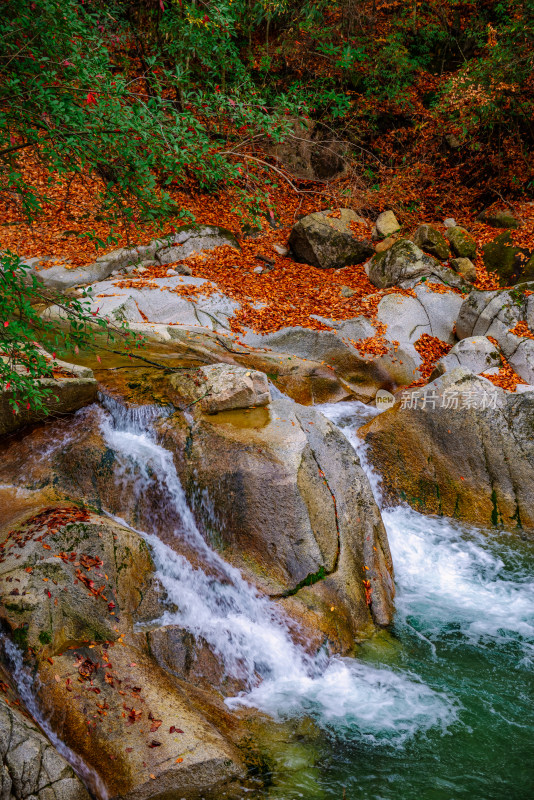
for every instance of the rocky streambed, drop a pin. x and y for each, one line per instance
(230, 575)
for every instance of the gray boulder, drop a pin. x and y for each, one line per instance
(404, 264)
(462, 243)
(497, 314)
(310, 151)
(295, 511)
(224, 387)
(327, 242)
(475, 354)
(431, 241)
(161, 301)
(191, 239)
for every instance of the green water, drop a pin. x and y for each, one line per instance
(465, 627)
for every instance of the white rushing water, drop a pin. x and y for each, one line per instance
(454, 579)
(248, 632)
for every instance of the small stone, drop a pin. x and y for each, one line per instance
(280, 249)
(258, 270)
(450, 222)
(142, 269)
(346, 291)
(228, 387)
(465, 267)
(385, 225)
(385, 244)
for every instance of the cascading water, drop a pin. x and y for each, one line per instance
(465, 622)
(248, 632)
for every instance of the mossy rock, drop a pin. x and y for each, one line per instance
(462, 243)
(511, 263)
(430, 240)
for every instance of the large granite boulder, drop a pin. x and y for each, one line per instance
(294, 509)
(404, 264)
(475, 354)
(506, 315)
(459, 447)
(177, 299)
(326, 241)
(186, 240)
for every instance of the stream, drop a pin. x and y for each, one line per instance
(440, 707)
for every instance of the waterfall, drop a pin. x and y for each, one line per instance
(248, 632)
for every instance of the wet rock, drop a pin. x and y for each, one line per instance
(386, 225)
(30, 767)
(475, 354)
(294, 510)
(83, 581)
(333, 351)
(466, 452)
(500, 218)
(462, 243)
(224, 387)
(512, 264)
(465, 267)
(430, 240)
(72, 390)
(404, 264)
(497, 314)
(327, 242)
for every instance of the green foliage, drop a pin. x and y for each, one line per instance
(24, 364)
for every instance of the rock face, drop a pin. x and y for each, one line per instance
(30, 767)
(500, 314)
(161, 302)
(462, 243)
(404, 264)
(191, 239)
(224, 388)
(81, 583)
(186, 240)
(466, 452)
(475, 354)
(431, 241)
(72, 390)
(294, 509)
(512, 264)
(407, 318)
(327, 242)
(386, 225)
